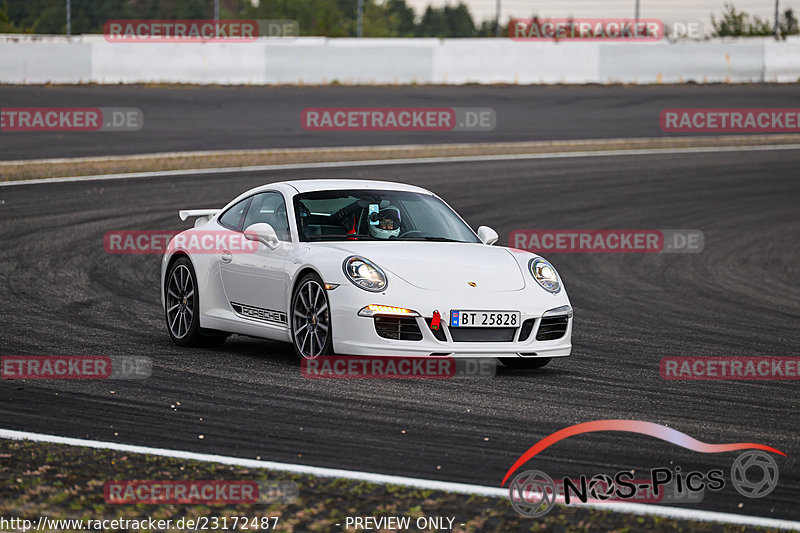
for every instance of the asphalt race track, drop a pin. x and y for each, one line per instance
(62, 294)
(222, 118)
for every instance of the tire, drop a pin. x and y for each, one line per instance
(523, 363)
(182, 309)
(310, 318)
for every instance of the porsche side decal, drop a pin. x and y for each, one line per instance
(257, 313)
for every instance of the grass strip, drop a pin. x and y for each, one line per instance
(66, 482)
(92, 166)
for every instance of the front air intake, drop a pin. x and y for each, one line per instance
(552, 328)
(398, 328)
(469, 334)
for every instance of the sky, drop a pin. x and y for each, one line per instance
(669, 11)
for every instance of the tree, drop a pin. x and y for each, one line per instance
(314, 17)
(789, 24)
(193, 9)
(330, 18)
(446, 22)
(49, 16)
(153, 10)
(401, 19)
(739, 24)
(51, 20)
(433, 24)
(4, 17)
(5, 25)
(376, 20)
(488, 28)
(459, 21)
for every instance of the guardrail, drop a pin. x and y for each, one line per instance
(317, 60)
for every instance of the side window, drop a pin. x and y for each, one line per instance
(233, 216)
(269, 207)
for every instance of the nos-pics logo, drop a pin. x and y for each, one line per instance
(532, 493)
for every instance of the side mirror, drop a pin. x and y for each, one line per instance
(487, 235)
(263, 233)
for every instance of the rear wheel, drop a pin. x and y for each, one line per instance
(182, 308)
(311, 319)
(525, 362)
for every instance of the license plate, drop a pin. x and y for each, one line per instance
(484, 319)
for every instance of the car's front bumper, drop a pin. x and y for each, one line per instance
(357, 335)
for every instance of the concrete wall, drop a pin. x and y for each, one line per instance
(45, 61)
(317, 60)
(782, 61)
(707, 62)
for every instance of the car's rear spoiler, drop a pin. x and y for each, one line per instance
(204, 214)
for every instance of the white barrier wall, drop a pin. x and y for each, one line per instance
(317, 60)
(505, 61)
(45, 61)
(218, 63)
(708, 62)
(782, 61)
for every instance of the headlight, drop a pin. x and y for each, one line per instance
(364, 274)
(544, 273)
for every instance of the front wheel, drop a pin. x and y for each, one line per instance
(525, 362)
(311, 319)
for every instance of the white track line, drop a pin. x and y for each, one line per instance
(411, 161)
(428, 484)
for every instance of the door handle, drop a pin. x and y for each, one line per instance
(226, 256)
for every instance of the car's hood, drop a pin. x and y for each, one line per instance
(442, 265)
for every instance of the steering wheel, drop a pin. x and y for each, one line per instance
(409, 232)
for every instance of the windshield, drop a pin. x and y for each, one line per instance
(377, 215)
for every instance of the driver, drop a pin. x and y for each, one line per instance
(388, 223)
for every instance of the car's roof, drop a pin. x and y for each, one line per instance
(329, 184)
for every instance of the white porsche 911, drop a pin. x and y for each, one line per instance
(360, 268)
